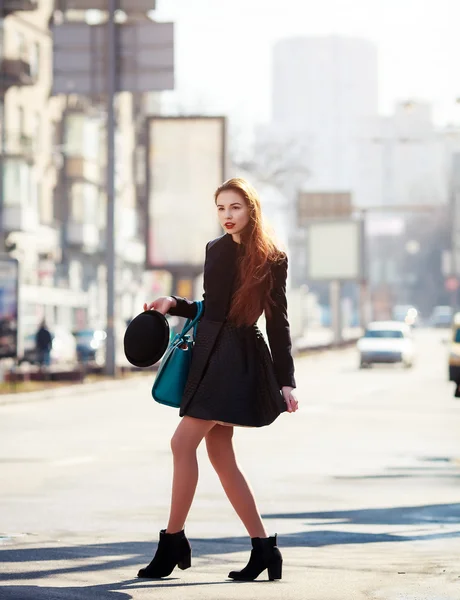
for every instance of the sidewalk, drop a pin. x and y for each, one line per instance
(76, 389)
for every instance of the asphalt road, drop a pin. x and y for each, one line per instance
(361, 485)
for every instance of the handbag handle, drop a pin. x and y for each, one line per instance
(192, 323)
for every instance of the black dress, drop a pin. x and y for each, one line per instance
(239, 386)
(233, 379)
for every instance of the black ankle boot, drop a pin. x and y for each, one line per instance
(265, 554)
(173, 549)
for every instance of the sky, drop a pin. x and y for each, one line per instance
(223, 50)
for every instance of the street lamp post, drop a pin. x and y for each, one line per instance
(110, 241)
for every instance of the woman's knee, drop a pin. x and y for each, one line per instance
(176, 444)
(187, 437)
(219, 446)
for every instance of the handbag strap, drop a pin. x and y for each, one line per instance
(192, 323)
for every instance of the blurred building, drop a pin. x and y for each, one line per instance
(322, 88)
(53, 192)
(405, 158)
(325, 112)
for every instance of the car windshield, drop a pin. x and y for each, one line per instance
(383, 333)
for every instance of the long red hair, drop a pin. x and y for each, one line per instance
(255, 281)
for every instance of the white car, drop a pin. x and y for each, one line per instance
(386, 342)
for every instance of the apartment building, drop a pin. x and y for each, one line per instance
(53, 198)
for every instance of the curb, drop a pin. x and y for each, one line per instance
(343, 345)
(75, 389)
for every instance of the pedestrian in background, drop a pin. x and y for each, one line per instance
(43, 344)
(233, 379)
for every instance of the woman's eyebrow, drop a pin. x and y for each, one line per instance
(232, 204)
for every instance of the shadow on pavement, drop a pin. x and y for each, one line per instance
(439, 467)
(433, 514)
(132, 555)
(112, 591)
(35, 592)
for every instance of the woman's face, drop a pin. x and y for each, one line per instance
(233, 212)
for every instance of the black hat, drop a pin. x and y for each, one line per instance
(146, 338)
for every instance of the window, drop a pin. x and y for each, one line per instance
(82, 136)
(21, 45)
(17, 182)
(37, 132)
(84, 207)
(35, 59)
(384, 333)
(21, 122)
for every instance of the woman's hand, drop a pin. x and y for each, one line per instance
(291, 403)
(162, 304)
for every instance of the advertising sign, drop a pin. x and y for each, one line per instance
(334, 250)
(9, 273)
(186, 164)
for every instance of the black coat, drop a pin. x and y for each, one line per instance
(219, 275)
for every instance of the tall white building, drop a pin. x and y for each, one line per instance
(322, 88)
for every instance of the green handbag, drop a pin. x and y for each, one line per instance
(169, 384)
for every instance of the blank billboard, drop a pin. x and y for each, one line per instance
(334, 250)
(186, 164)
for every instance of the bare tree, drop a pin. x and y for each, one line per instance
(280, 161)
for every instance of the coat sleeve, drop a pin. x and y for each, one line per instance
(278, 331)
(187, 308)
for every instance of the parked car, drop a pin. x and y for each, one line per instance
(386, 342)
(454, 351)
(441, 316)
(63, 351)
(91, 346)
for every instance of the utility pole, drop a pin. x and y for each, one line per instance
(2, 127)
(455, 226)
(110, 241)
(364, 277)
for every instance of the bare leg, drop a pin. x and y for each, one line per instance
(222, 456)
(184, 444)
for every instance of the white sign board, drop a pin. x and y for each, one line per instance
(186, 164)
(334, 250)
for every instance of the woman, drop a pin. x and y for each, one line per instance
(233, 380)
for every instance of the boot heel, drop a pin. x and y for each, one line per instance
(186, 562)
(275, 570)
